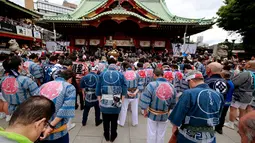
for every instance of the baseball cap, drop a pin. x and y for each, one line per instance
(194, 74)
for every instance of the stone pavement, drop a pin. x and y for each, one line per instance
(127, 134)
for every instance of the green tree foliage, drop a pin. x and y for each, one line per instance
(239, 16)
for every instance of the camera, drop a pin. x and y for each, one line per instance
(116, 101)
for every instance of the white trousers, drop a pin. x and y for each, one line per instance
(156, 131)
(134, 109)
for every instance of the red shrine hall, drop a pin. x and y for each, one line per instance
(145, 24)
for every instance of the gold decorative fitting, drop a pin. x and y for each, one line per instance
(114, 52)
(92, 14)
(119, 17)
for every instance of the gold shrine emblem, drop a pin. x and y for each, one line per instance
(119, 17)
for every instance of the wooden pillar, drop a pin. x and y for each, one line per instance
(168, 45)
(72, 44)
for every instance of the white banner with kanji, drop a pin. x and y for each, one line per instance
(21, 30)
(124, 43)
(79, 41)
(94, 42)
(159, 44)
(145, 43)
(187, 48)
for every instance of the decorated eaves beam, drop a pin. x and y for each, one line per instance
(100, 9)
(132, 2)
(143, 11)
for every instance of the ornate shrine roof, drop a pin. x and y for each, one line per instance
(155, 11)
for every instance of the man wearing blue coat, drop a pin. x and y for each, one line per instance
(111, 91)
(197, 111)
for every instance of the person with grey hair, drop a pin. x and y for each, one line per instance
(197, 112)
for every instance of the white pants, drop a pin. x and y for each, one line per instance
(156, 131)
(134, 109)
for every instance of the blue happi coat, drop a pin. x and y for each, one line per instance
(219, 84)
(159, 95)
(56, 70)
(111, 83)
(168, 75)
(35, 70)
(63, 95)
(197, 107)
(149, 75)
(47, 68)
(200, 67)
(231, 88)
(88, 83)
(17, 90)
(102, 66)
(181, 84)
(178, 75)
(142, 79)
(133, 81)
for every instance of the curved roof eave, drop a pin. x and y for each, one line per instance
(122, 12)
(166, 14)
(86, 7)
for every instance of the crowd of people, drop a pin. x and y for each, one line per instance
(194, 93)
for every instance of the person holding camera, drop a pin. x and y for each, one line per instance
(111, 91)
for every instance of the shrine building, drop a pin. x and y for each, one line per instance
(131, 24)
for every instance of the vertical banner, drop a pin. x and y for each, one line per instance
(187, 48)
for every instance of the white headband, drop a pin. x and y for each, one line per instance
(193, 76)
